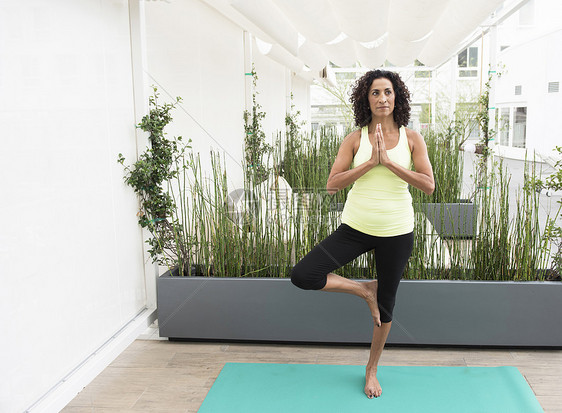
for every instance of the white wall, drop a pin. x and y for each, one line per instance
(195, 52)
(70, 247)
(273, 93)
(71, 251)
(301, 99)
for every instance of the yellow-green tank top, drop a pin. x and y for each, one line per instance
(379, 203)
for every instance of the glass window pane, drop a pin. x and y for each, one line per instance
(504, 126)
(519, 127)
(422, 74)
(474, 129)
(462, 58)
(468, 73)
(473, 57)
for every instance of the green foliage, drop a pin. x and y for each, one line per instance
(293, 126)
(272, 227)
(554, 181)
(306, 160)
(447, 162)
(255, 146)
(153, 176)
(553, 228)
(483, 117)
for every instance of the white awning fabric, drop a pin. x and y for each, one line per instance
(314, 32)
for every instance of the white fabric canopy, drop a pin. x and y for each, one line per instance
(314, 32)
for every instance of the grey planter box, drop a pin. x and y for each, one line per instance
(468, 313)
(452, 220)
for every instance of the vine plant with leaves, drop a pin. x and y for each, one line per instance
(160, 171)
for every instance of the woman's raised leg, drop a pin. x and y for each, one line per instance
(365, 290)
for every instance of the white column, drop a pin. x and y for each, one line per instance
(493, 46)
(433, 96)
(454, 80)
(138, 61)
(138, 66)
(288, 89)
(248, 61)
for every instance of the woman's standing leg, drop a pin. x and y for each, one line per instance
(391, 256)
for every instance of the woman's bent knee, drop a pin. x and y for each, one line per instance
(386, 308)
(305, 280)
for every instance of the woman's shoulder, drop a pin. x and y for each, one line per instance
(413, 137)
(356, 134)
(353, 139)
(412, 134)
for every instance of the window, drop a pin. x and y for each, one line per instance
(518, 89)
(504, 126)
(462, 58)
(472, 57)
(468, 73)
(519, 127)
(345, 75)
(421, 73)
(468, 62)
(553, 87)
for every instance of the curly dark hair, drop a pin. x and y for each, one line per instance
(360, 101)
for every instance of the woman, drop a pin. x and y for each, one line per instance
(378, 212)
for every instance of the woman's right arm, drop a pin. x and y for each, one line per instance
(341, 176)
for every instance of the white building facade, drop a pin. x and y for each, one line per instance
(528, 101)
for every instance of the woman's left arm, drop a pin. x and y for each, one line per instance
(422, 177)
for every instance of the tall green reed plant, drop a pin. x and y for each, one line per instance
(507, 246)
(273, 225)
(553, 230)
(447, 162)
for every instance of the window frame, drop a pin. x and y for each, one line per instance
(469, 68)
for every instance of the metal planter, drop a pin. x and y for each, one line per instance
(468, 313)
(452, 220)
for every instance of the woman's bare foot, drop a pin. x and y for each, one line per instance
(371, 298)
(372, 385)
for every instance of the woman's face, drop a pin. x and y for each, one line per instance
(381, 97)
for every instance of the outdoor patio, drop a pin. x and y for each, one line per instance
(155, 375)
(210, 98)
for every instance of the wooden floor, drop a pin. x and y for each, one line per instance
(161, 376)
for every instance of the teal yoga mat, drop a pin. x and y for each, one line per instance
(292, 388)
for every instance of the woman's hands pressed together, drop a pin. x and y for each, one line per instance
(379, 154)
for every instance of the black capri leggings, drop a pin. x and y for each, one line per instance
(344, 245)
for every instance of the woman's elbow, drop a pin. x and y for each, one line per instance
(429, 188)
(331, 189)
